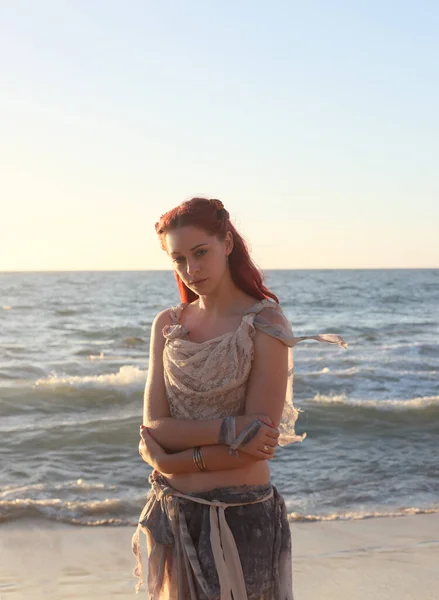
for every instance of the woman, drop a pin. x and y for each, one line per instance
(218, 401)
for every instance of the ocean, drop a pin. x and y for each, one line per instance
(73, 365)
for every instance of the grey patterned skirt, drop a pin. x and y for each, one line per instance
(231, 543)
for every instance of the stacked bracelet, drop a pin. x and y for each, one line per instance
(198, 459)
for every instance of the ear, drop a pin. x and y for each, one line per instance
(228, 242)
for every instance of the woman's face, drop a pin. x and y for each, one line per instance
(199, 259)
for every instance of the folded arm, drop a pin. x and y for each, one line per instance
(173, 434)
(266, 390)
(216, 458)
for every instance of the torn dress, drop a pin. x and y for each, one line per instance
(231, 542)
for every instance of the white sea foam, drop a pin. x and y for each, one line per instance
(96, 356)
(357, 515)
(116, 511)
(395, 404)
(411, 344)
(334, 372)
(58, 509)
(77, 485)
(103, 356)
(127, 376)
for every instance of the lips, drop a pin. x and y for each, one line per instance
(198, 281)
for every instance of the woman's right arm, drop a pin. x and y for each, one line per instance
(171, 433)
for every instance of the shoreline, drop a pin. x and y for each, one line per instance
(386, 558)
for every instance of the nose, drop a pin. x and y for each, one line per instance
(192, 268)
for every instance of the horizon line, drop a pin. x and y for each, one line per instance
(263, 270)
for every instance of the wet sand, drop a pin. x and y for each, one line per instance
(373, 559)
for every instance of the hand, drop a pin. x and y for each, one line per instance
(150, 450)
(264, 444)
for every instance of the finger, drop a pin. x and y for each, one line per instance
(271, 427)
(272, 433)
(270, 443)
(267, 449)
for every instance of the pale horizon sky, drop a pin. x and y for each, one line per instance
(315, 123)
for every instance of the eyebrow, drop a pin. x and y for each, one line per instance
(197, 246)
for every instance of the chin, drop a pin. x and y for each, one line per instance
(202, 290)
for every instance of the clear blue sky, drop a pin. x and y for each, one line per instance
(316, 123)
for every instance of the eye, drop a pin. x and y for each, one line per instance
(179, 259)
(201, 252)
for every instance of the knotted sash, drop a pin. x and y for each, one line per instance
(171, 527)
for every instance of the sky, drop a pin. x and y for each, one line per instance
(316, 123)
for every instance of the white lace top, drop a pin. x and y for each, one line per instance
(206, 380)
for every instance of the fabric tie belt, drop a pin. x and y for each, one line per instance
(225, 552)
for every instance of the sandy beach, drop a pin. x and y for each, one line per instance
(385, 559)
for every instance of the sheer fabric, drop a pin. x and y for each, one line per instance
(230, 542)
(209, 379)
(210, 545)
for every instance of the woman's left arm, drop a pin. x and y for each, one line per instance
(267, 384)
(266, 390)
(216, 457)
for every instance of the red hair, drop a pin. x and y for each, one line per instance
(214, 219)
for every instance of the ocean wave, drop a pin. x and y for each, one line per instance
(361, 515)
(334, 373)
(90, 355)
(67, 312)
(116, 511)
(133, 341)
(419, 403)
(396, 345)
(95, 512)
(119, 333)
(127, 376)
(78, 485)
(77, 501)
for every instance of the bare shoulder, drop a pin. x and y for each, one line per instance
(162, 318)
(155, 404)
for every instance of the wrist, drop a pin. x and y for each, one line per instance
(162, 463)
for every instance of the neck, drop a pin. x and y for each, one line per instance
(226, 300)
